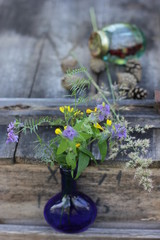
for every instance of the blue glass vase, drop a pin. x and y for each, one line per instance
(70, 211)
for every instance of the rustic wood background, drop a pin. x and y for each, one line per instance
(35, 36)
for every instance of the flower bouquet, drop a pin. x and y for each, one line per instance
(72, 211)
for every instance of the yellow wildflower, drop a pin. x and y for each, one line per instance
(58, 131)
(70, 109)
(65, 127)
(109, 122)
(61, 109)
(78, 113)
(78, 145)
(97, 125)
(89, 110)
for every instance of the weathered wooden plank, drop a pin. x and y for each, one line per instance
(6, 150)
(153, 150)
(27, 150)
(156, 142)
(24, 108)
(14, 232)
(18, 63)
(9, 103)
(60, 23)
(48, 79)
(25, 189)
(70, 26)
(27, 17)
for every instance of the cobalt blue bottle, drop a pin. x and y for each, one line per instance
(70, 211)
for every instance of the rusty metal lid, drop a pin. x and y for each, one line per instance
(98, 43)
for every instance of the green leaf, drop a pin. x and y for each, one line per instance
(86, 151)
(103, 149)
(83, 162)
(71, 160)
(62, 146)
(78, 125)
(96, 131)
(85, 136)
(72, 144)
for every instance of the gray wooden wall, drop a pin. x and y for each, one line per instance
(35, 35)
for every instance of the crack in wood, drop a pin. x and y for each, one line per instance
(53, 45)
(38, 64)
(15, 107)
(15, 150)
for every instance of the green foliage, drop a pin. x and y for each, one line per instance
(103, 149)
(88, 153)
(62, 146)
(75, 152)
(71, 160)
(83, 162)
(33, 124)
(76, 70)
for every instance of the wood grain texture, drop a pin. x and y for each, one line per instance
(14, 232)
(49, 74)
(26, 188)
(66, 27)
(153, 150)
(7, 151)
(144, 111)
(18, 63)
(28, 150)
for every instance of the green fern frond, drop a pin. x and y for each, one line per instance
(79, 85)
(71, 72)
(33, 124)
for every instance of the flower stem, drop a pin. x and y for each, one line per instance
(96, 86)
(93, 19)
(110, 83)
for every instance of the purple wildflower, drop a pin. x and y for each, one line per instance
(12, 137)
(10, 126)
(69, 133)
(119, 131)
(104, 111)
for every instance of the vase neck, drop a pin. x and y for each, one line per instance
(68, 183)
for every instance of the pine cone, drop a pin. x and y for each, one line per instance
(97, 65)
(68, 81)
(137, 93)
(126, 81)
(68, 64)
(134, 67)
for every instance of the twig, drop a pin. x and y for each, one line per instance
(93, 19)
(96, 86)
(110, 83)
